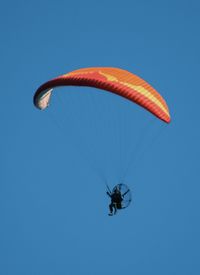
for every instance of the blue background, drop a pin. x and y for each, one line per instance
(53, 207)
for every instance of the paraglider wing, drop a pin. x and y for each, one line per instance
(115, 80)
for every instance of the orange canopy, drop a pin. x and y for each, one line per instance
(115, 80)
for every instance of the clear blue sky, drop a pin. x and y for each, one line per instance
(53, 207)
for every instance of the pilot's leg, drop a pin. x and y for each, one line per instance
(111, 208)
